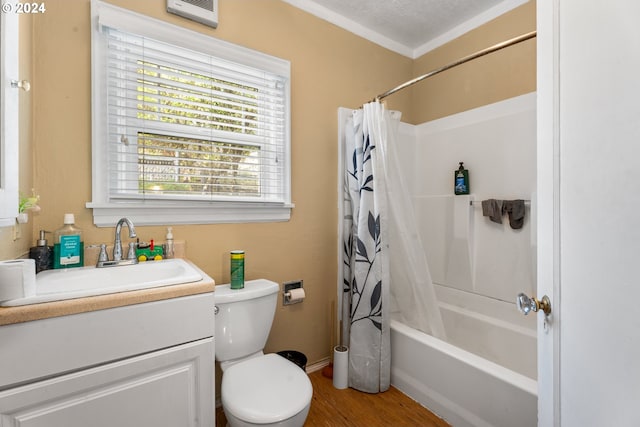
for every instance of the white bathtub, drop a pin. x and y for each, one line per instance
(484, 376)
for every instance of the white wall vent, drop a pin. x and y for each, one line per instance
(203, 11)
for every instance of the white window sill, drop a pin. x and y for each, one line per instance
(108, 214)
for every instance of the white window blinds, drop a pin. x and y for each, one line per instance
(186, 125)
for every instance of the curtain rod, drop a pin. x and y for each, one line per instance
(460, 61)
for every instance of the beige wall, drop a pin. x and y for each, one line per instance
(501, 75)
(330, 68)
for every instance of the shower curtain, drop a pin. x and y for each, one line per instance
(365, 318)
(378, 223)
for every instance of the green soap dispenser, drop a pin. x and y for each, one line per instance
(68, 245)
(461, 180)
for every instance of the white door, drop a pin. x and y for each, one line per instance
(548, 212)
(589, 209)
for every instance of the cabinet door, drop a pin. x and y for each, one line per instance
(172, 387)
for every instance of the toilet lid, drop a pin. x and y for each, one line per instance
(265, 389)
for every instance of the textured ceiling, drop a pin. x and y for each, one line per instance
(409, 23)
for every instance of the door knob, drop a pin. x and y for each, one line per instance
(526, 304)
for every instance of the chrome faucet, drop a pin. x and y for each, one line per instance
(117, 246)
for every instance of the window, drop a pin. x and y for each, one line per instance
(183, 135)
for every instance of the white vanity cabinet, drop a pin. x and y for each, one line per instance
(143, 365)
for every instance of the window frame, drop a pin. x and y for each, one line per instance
(106, 210)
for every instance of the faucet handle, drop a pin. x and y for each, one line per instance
(103, 253)
(132, 251)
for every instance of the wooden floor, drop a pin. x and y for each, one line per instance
(350, 408)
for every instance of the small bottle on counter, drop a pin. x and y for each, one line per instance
(42, 253)
(68, 245)
(169, 250)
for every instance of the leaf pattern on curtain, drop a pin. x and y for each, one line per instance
(375, 311)
(365, 328)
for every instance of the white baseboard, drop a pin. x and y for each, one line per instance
(318, 365)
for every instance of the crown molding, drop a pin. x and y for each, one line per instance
(400, 48)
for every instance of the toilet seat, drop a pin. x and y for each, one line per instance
(265, 389)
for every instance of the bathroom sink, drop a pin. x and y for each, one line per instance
(57, 285)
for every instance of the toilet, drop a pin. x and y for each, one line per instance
(257, 389)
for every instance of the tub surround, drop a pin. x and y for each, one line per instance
(464, 249)
(485, 374)
(489, 328)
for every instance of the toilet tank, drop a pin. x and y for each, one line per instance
(244, 318)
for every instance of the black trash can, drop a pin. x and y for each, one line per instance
(296, 357)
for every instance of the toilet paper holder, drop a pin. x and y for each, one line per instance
(287, 298)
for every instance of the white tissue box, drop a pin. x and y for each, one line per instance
(17, 279)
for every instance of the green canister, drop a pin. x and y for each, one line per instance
(237, 269)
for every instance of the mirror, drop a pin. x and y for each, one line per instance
(8, 118)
